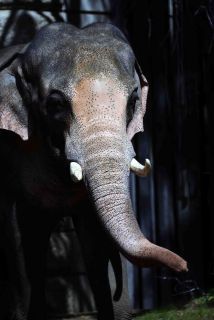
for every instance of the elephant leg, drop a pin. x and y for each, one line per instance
(36, 265)
(36, 228)
(35, 258)
(97, 253)
(99, 281)
(96, 263)
(119, 285)
(108, 279)
(15, 291)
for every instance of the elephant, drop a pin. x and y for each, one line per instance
(71, 101)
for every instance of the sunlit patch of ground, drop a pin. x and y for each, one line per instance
(198, 309)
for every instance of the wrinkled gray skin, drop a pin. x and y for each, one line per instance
(80, 93)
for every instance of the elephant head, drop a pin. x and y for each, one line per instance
(82, 92)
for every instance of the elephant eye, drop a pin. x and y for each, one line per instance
(57, 107)
(131, 105)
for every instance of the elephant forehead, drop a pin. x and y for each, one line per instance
(92, 57)
(99, 95)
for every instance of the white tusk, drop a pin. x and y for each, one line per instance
(75, 171)
(139, 169)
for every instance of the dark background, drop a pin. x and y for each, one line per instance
(174, 43)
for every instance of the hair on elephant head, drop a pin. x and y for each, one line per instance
(82, 93)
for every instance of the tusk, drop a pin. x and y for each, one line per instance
(139, 169)
(75, 171)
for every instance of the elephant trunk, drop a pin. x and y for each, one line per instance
(107, 178)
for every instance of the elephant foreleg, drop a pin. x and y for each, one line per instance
(14, 288)
(36, 229)
(119, 285)
(97, 252)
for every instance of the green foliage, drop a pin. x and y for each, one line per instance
(198, 309)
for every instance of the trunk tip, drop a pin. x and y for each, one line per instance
(150, 255)
(182, 267)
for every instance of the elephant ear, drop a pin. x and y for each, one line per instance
(13, 114)
(136, 123)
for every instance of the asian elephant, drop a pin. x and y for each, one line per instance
(71, 101)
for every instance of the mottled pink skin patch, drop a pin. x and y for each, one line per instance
(99, 98)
